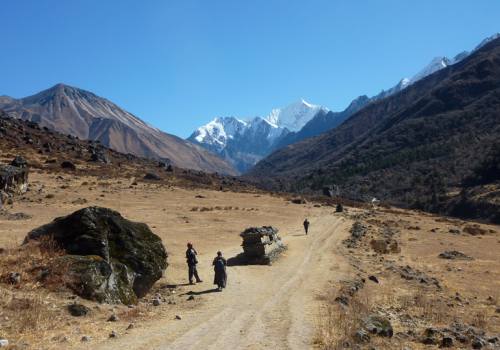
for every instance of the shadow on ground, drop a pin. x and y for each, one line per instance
(208, 291)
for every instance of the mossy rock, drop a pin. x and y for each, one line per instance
(110, 258)
(379, 325)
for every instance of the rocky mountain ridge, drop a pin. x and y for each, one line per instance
(424, 147)
(244, 142)
(85, 115)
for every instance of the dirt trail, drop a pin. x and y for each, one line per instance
(263, 307)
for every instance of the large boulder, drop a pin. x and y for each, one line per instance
(110, 259)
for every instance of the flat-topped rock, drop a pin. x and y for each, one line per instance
(261, 245)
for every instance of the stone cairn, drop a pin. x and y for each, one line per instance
(261, 245)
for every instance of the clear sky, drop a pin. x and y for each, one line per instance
(178, 64)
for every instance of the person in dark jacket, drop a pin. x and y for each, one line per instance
(306, 225)
(192, 261)
(220, 278)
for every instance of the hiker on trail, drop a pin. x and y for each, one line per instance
(220, 278)
(306, 225)
(192, 261)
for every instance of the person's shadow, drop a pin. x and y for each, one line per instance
(173, 286)
(208, 291)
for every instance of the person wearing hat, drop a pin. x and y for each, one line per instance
(220, 278)
(192, 261)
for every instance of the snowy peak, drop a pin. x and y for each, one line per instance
(244, 142)
(436, 64)
(216, 133)
(294, 116)
(487, 40)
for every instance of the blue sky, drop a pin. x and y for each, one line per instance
(178, 64)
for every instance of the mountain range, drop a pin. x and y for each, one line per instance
(243, 142)
(315, 121)
(426, 146)
(80, 113)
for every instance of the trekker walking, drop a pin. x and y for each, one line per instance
(306, 225)
(220, 278)
(192, 261)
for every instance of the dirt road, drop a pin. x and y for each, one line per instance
(263, 307)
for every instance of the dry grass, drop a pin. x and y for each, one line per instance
(31, 313)
(139, 312)
(337, 325)
(24, 307)
(480, 319)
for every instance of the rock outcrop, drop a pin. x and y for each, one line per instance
(13, 179)
(109, 258)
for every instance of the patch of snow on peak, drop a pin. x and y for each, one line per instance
(294, 116)
(436, 64)
(487, 40)
(405, 82)
(218, 131)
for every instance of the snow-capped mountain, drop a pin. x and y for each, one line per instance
(232, 137)
(323, 122)
(434, 65)
(243, 142)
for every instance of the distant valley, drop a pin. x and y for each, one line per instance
(434, 145)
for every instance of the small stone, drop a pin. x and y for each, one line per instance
(14, 278)
(4, 343)
(454, 255)
(86, 338)
(477, 343)
(446, 342)
(362, 336)
(78, 310)
(113, 318)
(191, 297)
(379, 325)
(113, 334)
(130, 326)
(373, 278)
(429, 341)
(177, 317)
(156, 302)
